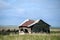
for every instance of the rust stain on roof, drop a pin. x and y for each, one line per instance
(28, 23)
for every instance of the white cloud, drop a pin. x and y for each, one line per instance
(4, 5)
(12, 11)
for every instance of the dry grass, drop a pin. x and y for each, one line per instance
(54, 35)
(30, 37)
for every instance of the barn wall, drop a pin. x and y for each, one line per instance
(40, 27)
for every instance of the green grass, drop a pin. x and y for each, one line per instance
(55, 32)
(30, 37)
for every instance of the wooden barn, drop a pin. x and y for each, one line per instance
(34, 26)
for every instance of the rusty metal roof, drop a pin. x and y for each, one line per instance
(27, 23)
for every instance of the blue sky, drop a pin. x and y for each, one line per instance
(13, 12)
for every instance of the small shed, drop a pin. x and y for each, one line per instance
(34, 26)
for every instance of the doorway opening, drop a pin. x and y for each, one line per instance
(25, 31)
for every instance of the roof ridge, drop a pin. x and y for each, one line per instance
(34, 23)
(26, 21)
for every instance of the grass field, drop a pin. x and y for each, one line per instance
(54, 35)
(30, 37)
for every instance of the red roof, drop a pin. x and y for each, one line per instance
(28, 23)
